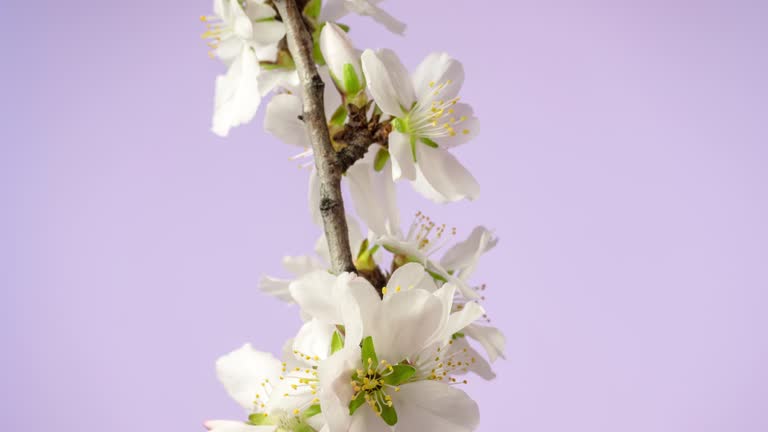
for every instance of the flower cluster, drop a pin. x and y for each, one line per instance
(386, 347)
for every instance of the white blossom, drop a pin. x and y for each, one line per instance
(428, 121)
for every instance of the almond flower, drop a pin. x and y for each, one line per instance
(277, 396)
(398, 361)
(241, 35)
(428, 121)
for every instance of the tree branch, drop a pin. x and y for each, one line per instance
(329, 172)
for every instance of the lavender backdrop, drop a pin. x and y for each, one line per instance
(623, 161)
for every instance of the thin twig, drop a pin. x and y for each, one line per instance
(329, 172)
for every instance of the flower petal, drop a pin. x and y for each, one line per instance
(335, 390)
(387, 81)
(313, 293)
(491, 338)
(313, 342)
(357, 301)
(236, 426)
(268, 32)
(401, 151)
(434, 406)
(470, 313)
(301, 265)
(404, 323)
(464, 253)
(243, 372)
(373, 195)
(445, 174)
(237, 93)
(436, 70)
(276, 288)
(282, 120)
(410, 276)
(313, 197)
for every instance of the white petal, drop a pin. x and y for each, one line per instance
(434, 406)
(276, 288)
(364, 7)
(282, 120)
(479, 365)
(244, 370)
(235, 426)
(268, 32)
(491, 338)
(410, 276)
(314, 341)
(366, 420)
(470, 313)
(332, 10)
(383, 74)
(257, 10)
(272, 79)
(438, 69)
(357, 301)
(373, 195)
(313, 293)
(237, 93)
(335, 388)
(404, 323)
(401, 153)
(445, 174)
(464, 253)
(301, 265)
(466, 131)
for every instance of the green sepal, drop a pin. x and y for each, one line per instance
(457, 335)
(429, 142)
(352, 83)
(312, 9)
(413, 147)
(303, 427)
(388, 414)
(259, 419)
(381, 159)
(363, 248)
(400, 374)
(436, 276)
(356, 402)
(343, 27)
(312, 411)
(369, 353)
(399, 125)
(339, 116)
(337, 342)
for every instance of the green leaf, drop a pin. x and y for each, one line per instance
(313, 410)
(429, 142)
(339, 116)
(259, 419)
(381, 159)
(352, 84)
(356, 403)
(337, 343)
(369, 354)
(312, 9)
(389, 414)
(400, 374)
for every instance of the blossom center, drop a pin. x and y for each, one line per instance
(434, 117)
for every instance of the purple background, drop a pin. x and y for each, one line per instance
(623, 163)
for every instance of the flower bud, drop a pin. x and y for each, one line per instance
(343, 59)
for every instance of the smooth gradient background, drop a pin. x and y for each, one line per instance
(622, 159)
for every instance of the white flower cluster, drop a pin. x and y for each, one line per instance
(367, 358)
